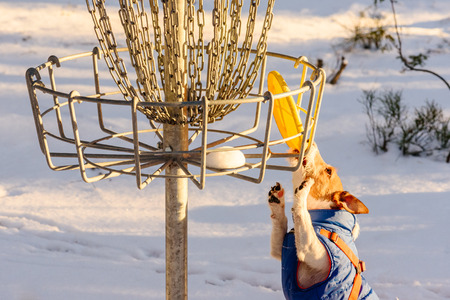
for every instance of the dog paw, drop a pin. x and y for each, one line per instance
(305, 186)
(301, 194)
(276, 194)
(276, 200)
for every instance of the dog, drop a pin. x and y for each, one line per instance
(319, 257)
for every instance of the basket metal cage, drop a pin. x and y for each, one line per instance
(104, 135)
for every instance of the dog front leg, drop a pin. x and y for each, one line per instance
(311, 253)
(279, 220)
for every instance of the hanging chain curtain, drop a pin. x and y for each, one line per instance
(231, 70)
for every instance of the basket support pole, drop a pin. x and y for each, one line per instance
(176, 138)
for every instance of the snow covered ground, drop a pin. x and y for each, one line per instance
(61, 238)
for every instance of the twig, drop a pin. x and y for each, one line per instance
(342, 66)
(400, 53)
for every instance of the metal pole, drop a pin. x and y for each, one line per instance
(176, 230)
(176, 137)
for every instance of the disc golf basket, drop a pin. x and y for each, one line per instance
(165, 120)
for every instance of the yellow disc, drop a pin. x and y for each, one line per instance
(285, 111)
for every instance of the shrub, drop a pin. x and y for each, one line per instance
(369, 33)
(386, 113)
(425, 133)
(428, 131)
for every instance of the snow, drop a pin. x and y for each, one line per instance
(61, 238)
(225, 158)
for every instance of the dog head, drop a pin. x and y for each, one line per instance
(327, 191)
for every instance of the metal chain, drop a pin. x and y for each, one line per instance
(214, 50)
(173, 49)
(233, 39)
(261, 49)
(116, 65)
(158, 38)
(135, 23)
(234, 83)
(107, 41)
(244, 53)
(200, 59)
(226, 80)
(242, 85)
(192, 93)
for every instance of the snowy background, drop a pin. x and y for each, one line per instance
(61, 238)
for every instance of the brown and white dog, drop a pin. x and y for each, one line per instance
(316, 187)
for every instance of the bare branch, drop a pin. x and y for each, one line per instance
(405, 62)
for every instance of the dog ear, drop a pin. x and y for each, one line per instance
(345, 200)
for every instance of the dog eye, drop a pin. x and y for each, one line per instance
(329, 171)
